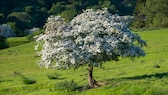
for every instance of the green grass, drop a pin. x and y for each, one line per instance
(144, 76)
(17, 41)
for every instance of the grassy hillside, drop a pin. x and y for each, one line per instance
(144, 76)
(17, 41)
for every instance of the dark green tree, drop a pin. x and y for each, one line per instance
(29, 9)
(17, 31)
(69, 13)
(33, 13)
(151, 14)
(23, 20)
(57, 8)
(20, 22)
(157, 13)
(2, 18)
(139, 14)
(3, 43)
(108, 4)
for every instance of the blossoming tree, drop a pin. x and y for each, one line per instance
(93, 37)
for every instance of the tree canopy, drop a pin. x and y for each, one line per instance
(92, 37)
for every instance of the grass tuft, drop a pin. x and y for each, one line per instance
(53, 76)
(156, 66)
(66, 85)
(27, 80)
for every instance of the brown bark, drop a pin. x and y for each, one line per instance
(92, 81)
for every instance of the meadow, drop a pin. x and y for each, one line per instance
(143, 76)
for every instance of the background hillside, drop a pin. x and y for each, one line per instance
(26, 14)
(21, 15)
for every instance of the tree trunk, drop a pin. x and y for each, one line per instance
(92, 82)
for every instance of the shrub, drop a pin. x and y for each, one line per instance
(6, 31)
(66, 85)
(3, 42)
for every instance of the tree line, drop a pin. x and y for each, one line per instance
(26, 14)
(151, 14)
(21, 15)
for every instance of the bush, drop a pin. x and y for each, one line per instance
(66, 85)
(3, 42)
(6, 31)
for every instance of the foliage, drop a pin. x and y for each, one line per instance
(3, 42)
(34, 33)
(39, 10)
(19, 21)
(16, 30)
(69, 13)
(23, 20)
(29, 9)
(6, 31)
(151, 14)
(57, 8)
(90, 38)
(2, 18)
(108, 4)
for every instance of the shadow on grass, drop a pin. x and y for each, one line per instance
(157, 75)
(5, 80)
(116, 81)
(54, 77)
(57, 78)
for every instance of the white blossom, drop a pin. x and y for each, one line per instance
(90, 38)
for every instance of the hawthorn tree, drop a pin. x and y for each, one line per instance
(90, 38)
